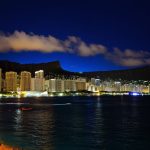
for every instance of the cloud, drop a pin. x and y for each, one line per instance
(83, 49)
(129, 58)
(21, 41)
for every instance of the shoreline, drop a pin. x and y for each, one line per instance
(83, 95)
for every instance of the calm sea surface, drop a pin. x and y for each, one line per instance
(76, 123)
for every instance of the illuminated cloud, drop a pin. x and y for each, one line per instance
(83, 49)
(129, 58)
(21, 41)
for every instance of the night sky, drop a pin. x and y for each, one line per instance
(86, 35)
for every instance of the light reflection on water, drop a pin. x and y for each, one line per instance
(77, 123)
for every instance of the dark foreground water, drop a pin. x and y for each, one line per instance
(77, 123)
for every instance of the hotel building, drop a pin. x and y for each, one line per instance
(60, 85)
(69, 85)
(25, 81)
(50, 85)
(81, 84)
(11, 81)
(38, 83)
(39, 74)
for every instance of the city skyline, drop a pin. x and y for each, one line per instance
(25, 85)
(83, 36)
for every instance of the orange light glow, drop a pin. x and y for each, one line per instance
(5, 147)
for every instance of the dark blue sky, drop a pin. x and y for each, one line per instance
(122, 24)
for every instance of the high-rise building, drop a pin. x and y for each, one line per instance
(117, 86)
(0, 79)
(97, 82)
(52, 83)
(80, 84)
(60, 85)
(25, 81)
(47, 85)
(39, 74)
(37, 83)
(32, 86)
(69, 85)
(11, 81)
(93, 81)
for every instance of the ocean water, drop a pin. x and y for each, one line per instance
(76, 123)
